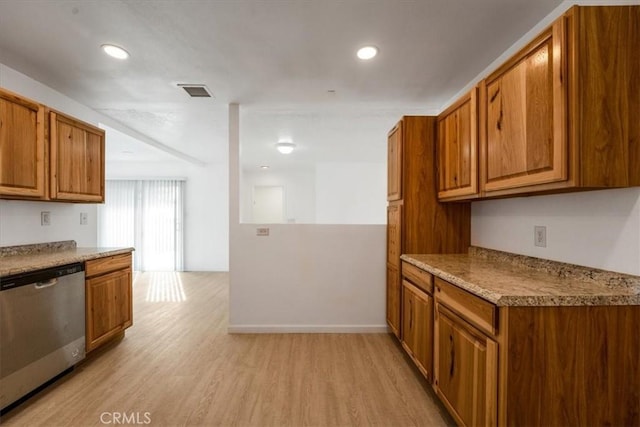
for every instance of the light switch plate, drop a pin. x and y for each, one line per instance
(262, 231)
(84, 218)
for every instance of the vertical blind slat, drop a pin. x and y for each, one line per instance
(149, 216)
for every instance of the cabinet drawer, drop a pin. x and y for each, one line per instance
(99, 266)
(420, 278)
(477, 311)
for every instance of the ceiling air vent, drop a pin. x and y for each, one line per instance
(196, 91)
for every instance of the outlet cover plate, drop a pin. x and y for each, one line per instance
(540, 236)
(45, 218)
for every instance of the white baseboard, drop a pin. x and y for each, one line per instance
(307, 329)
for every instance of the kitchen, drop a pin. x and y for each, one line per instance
(612, 215)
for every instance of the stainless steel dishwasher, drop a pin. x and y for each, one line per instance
(42, 328)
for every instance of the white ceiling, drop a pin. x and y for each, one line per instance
(276, 58)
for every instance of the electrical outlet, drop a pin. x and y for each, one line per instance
(45, 218)
(84, 218)
(262, 231)
(540, 236)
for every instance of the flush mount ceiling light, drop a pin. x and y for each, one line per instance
(367, 52)
(285, 147)
(115, 51)
(265, 167)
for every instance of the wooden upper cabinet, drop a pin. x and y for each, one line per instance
(77, 160)
(22, 147)
(394, 163)
(525, 103)
(457, 149)
(604, 95)
(565, 111)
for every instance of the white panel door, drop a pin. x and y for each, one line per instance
(268, 204)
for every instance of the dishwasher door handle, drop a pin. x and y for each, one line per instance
(46, 284)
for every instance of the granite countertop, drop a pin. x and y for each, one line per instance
(25, 258)
(514, 280)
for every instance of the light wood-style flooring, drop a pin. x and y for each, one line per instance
(178, 366)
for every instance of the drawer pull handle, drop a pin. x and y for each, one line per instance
(410, 314)
(453, 356)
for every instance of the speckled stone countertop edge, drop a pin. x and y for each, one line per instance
(37, 248)
(55, 259)
(488, 295)
(519, 300)
(556, 268)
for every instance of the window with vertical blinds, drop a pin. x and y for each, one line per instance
(147, 215)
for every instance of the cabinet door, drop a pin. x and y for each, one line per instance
(526, 124)
(394, 235)
(77, 160)
(417, 327)
(108, 306)
(457, 149)
(393, 299)
(394, 163)
(22, 147)
(465, 369)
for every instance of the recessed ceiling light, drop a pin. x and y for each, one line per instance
(115, 51)
(285, 147)
(367, 52)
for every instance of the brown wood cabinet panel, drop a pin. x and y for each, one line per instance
(77, 160)
(525, 141)
(394, 300)
(108, 306)
(22, 147)
(394, 163)
(417, 327)
(481, 313)
(420, 278)
(394, 236)
(465, 368)
(104, 265)
(457, 149)
(605, 94)
(428, 226)
(581, 364)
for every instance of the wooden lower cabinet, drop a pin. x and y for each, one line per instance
(108, 299)
(465, 370)
(535, 365)
(417, 327)
(393, 299)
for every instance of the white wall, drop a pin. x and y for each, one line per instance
(598, 229)
(206, 225)
(351, 193)
(20, 223)
(20, 220)
(329, 193)
(299, 192)
(302, 278)
(309, 278)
